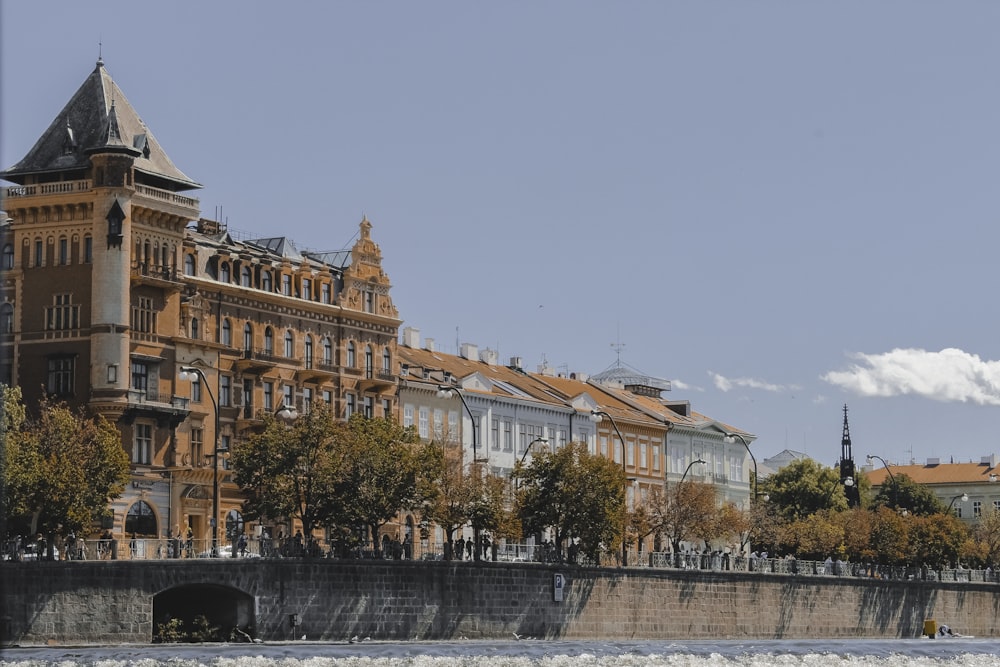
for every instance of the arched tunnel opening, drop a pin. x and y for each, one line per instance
(203, 613)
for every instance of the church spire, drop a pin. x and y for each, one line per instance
(847, 476)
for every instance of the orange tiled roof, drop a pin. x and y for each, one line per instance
(941, 473)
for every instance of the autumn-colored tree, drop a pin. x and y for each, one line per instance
(61, 469)
(816, 537)
(888, 538)
(576, 494)
(987, 537)
(687, 512)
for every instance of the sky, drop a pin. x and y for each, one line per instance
(781, 207)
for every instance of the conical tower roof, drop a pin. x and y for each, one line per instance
(99, 116)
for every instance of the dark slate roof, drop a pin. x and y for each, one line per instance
(97, 116)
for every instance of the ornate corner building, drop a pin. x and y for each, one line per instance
(112, 284)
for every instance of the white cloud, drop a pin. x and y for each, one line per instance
(950, 375)
(723, 383)
(680, 385)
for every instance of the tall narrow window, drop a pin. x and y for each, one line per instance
(307, 289)
(88, 249)
(324, 293)
(194, 328)
(287, 398)
(351, 360)
(196, 389)
(188, 264)
(39, 252)
(8, 256)
(309, 352)
(351, 407)
(61, 371)
(247, 337)
(386, 360)
(6, 319)
(327, 352)
(140, 377)
(227, 332)
(268, 341)
(245, 277)
(197, 447)
(369, 361)
(225, 390)
(289, 345)
(142, 447)
(224, 273)
(369, 301)
(369, 403)
(286, 284)
(269, 396)
(63, 251)
(265, 281)
(307, 398)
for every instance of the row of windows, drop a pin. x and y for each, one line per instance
(308, 289)
(326, 347)
(62, 256)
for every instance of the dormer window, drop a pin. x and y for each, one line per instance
(224, 273)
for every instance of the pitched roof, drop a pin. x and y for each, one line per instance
(98, 115)
(940, 473)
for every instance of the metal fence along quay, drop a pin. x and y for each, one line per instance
(174, 549)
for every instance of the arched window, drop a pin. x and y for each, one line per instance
(247, 337)
(309, 352)
(224, 273)
(227, 333)
(268, 341)
(245, 276)
(6, 319)
(386, 360)
(141, 520)
(351, 360)
(289, 344)
(8, 256)
(369, 361)
(327, 351)
(188, 264)
(194, 328)
(265, 281)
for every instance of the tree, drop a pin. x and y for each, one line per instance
(804, 487)
(576, 494)
(687, 512)
(987, 536)
(901, 492)
(448, 489)
(379, 476)
(61, 470)
(292, 471)
(936, 540)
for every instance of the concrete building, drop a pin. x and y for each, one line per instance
(113, 284)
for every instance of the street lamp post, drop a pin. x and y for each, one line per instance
(688, 469)
(598, 416)
(190, 373)
(528, 448)
(444, 391)
(733, 437)
(964, 498)
(892, 478)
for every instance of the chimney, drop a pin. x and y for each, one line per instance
(469, 351)
(489, 356)
(429, 344)
(517, 363)
(411, 338)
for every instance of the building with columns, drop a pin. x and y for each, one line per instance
(113, 283)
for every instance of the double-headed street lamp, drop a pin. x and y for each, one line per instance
(598, 416)
(192, 373)
(445, 391)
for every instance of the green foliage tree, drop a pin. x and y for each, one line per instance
(575, 493)
(802, 488)
(987, 536)
(62, 469)
(447, 489)
(902, 493)
(379, 475)
(292, 470)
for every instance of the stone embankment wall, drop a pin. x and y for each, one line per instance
(109, 602)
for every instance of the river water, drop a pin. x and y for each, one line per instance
(525, 653)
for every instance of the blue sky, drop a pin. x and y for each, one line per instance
(781, 207)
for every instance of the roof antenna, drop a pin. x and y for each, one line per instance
(619, 346)
(100, 53)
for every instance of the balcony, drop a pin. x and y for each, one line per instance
(312, 372)
(155, 275)
(256, 361)
(249, 417)
(378, 380)
(149, 403)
